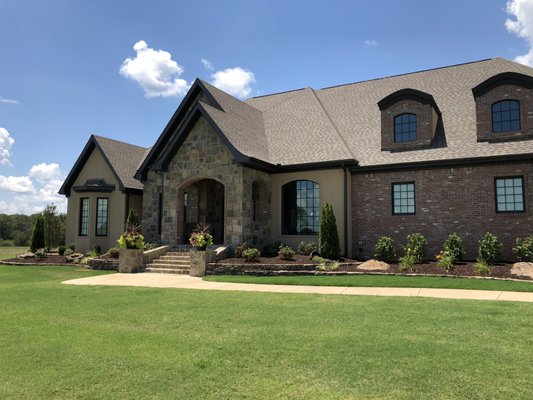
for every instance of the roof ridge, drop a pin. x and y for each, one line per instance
(285, 99)
(332, 123)
(209, 85)
(119, 141)
(274, 94)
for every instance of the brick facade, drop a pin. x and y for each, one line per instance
(484, 112)
(448, 199)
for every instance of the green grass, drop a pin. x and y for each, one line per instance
(379, 281)
(11, 252)
(89, 342)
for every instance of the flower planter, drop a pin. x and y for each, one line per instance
(130, 260)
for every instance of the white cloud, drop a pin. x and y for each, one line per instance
(8, 101)
(17, 184)
(371, 43)
(44, 172)
(208, 64)
(521, 24)
(235, 81)
(155, 71)
(6, 142)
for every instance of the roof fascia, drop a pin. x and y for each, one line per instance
(408, 93)
(78, 165)
(509, 78)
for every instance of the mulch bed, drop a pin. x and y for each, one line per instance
(301, 264)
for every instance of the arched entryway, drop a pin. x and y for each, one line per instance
(201, 202)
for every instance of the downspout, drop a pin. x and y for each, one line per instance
(345, 210)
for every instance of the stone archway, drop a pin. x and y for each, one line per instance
(201, 202)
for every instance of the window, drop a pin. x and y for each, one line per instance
(403, 198)
(509, 194)
(300, 208)
(101, 216)
(506, 116)
(404, 128)
(84, 216)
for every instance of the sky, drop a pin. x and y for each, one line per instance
(119, 69)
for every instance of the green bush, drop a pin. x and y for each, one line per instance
(329, 266)
(71, 246)
(489, 248)
(37, 236)
(454, 246)
(445, 260)
(150, 246)
(97, 249)
(113, 252)
(524, 249)
(133, 218)
(482, 268)
(68, 251)
(408, 261)
(328, 238)
(286, 253)
(40, 253)
(61, 250)
(307, 248)
(241, 249)
(384, 250)
(251, 254)
(416, 247)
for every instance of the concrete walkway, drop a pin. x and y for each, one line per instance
(188, 282)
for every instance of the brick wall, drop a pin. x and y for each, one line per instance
(454, 199)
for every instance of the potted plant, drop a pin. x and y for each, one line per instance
(200, 239)
(131, 244)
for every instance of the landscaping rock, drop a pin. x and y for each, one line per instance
(26, 255)
(74, 257)
(523, 269)
(374, 265)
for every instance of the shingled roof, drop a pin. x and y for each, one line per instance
(341, 123)
(123, 160)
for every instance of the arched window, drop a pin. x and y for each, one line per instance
(404, 128)
(300, 208)
(506, 116)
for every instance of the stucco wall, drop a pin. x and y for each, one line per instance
(95, 168)
(331, 186)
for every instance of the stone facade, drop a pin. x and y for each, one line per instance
(455, 199)
(484, 112)
(203, 156)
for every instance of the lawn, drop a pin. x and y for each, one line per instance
(11, 252)
(61, 341)
(380, 281)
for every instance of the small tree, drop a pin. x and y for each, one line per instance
(37, 236)
(328, 239)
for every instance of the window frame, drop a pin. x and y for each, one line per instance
(403, 123)
(500, 122)
(315, 227)
(106, 215)
(414, 197)
(81, 217)
(523, 210)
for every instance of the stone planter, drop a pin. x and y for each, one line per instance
(199, 260)
(130, 260)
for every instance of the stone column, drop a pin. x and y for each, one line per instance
(130, 260)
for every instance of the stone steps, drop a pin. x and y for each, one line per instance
(173, 262)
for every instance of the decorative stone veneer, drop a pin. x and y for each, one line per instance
(203, 155)
(458, 199)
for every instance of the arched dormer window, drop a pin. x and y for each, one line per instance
(506, 116)
(300, 208)
(404, 128)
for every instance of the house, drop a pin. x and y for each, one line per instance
(436, 151)
(100, 190)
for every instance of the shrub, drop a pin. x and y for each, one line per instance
(408, 261)
(150, 246)
(416, 246)
(384, 250)
(273, 248)
(92, 253)
(328, 238)
(454, 246)
(133, 218)
(445, 260)
(319, 259)
(489, 248)
(251, 254)
(201, 237)
(37, 236)
(71, 246)
(481, 267)
(97, 249)
(329, 266)
(286, 253)
(40, 253)
(241, 249)
(61, 250)
(307, 248)
(524, 249)
(68, 251)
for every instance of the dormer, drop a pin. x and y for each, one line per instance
(504, 108)
(409, 120)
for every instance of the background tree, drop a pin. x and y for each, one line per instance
(37, 237)
(54, 227)
(328, 239)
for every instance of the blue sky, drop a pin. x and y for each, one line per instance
(69, 69)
